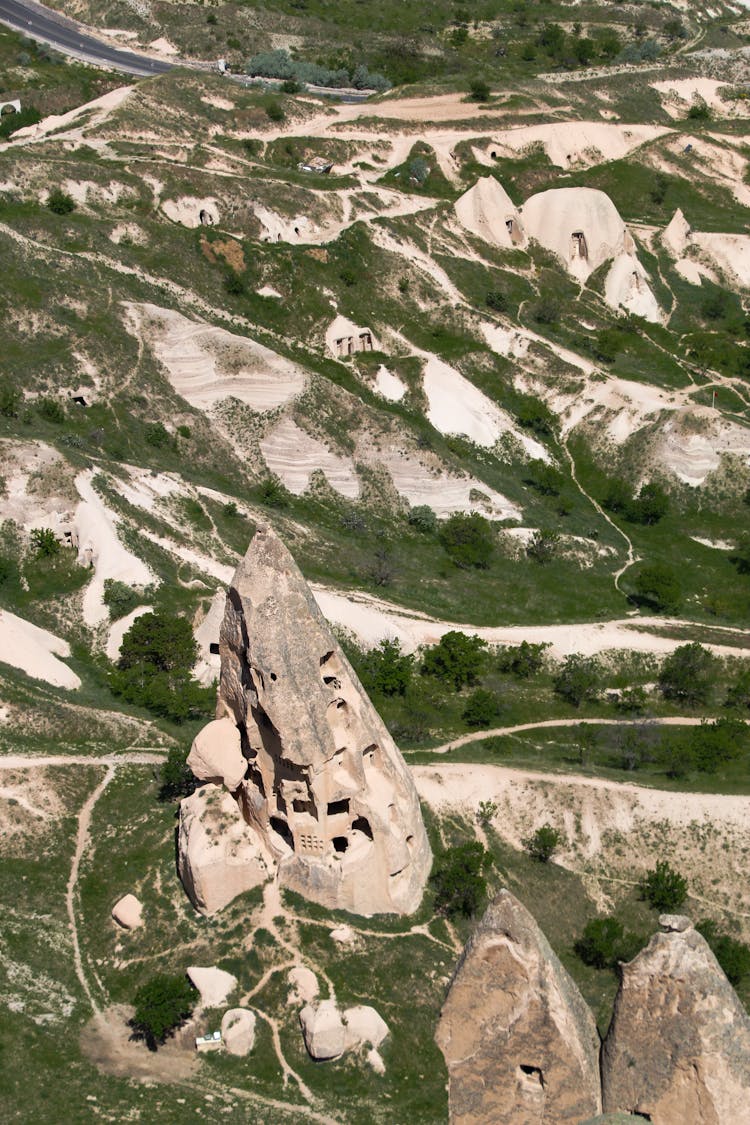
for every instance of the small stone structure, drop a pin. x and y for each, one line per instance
(343, 338)
(316, 789)
(7, 108)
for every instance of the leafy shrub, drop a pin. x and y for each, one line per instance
(120, 598)
(176, 778)
(155, 668)
(687, 675)
(468, 539)
(481, 708)
(732, 955)
(423, 518)
(457, 660)
(496, 300)
(523, 661)
(659, 587)
(386, 669)
(162, 1004)
(11, 122)
(44, 543)
(543, 545)
(51, 410)
(543, 843)
(60, 203)
(156, 434)
(663, 887)
(604, 942)
(280, 64)
(275, 111)
(479, 90)
(273, 494)
(546, 479)
(533, 414)
(10, 400)
(459, 879)
(579, 679)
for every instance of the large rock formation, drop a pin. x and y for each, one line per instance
(678, 1047)
(326, 796)
(520, 1044)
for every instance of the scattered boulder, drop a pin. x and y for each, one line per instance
(216, 754)
(238, 1031)
(215, 985)
(329, 1032)
(127, 912)
(327, 798)
(520, 1043)
(304, 985)
(343, 934)
(678, 1046)
(323, 1030)
(364, 1025)
(219, 855)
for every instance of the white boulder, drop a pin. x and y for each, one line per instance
(304, 985)
(216, 754)
(323, 1030)
(127, 912)
(238, 1031)
(364, 1025)
(215, 985)
(343, 934)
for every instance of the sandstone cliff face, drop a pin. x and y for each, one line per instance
(325, 792)
(520, 1043)
(678, 1047)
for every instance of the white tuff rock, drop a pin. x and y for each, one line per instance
(238, 1031)
(127, 912)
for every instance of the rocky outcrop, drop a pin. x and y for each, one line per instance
(329, 1032)
(215, 985)
(520, 1044)
(326, 796)
(678, 1047)
(238, 1031)
(127, 912)
(216, 754)
(218, 855)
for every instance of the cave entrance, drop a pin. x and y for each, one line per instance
(532, 1074)
(281, 828)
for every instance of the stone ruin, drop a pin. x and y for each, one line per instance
(303, 780)
(522, 1047)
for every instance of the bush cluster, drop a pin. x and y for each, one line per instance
(280, 64)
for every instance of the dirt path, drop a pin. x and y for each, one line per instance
(82, 839)
(496, 732)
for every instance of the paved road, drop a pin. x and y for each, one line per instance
(70, 38)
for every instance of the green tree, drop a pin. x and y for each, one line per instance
(155, 668)
(545, 478)
(10, 400)
(496, 300)
(738, 694)
(387, 670)
(60, 203)
(162, 1004)
(459, 879)
(579, 679)
(273, 494)
(663, 887)
(524, 661)
(605, 941)
(481, 708)
(44, 542)
(544, 545)
(732, 955)
(423, 518)
(119, 598)
(176, 779)
(469, 540)
(479, 90)
(650, 505)
(543, 843)
(458, 659)
(659, 586)
(714, 744)
(687, 675)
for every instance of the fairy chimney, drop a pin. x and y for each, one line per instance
(325, 792)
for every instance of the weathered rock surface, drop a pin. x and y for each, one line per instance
(329, 1032)
(326, 794)
(219, 856)
(304, 985)
(520, 1043)
(216, 754)
(323, 1030)
(678, 1047)
(215, 985)
(238, 1031)
(127, 912)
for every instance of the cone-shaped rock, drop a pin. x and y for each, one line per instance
(326, 791)
(678, 1048)
(520, 1043)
